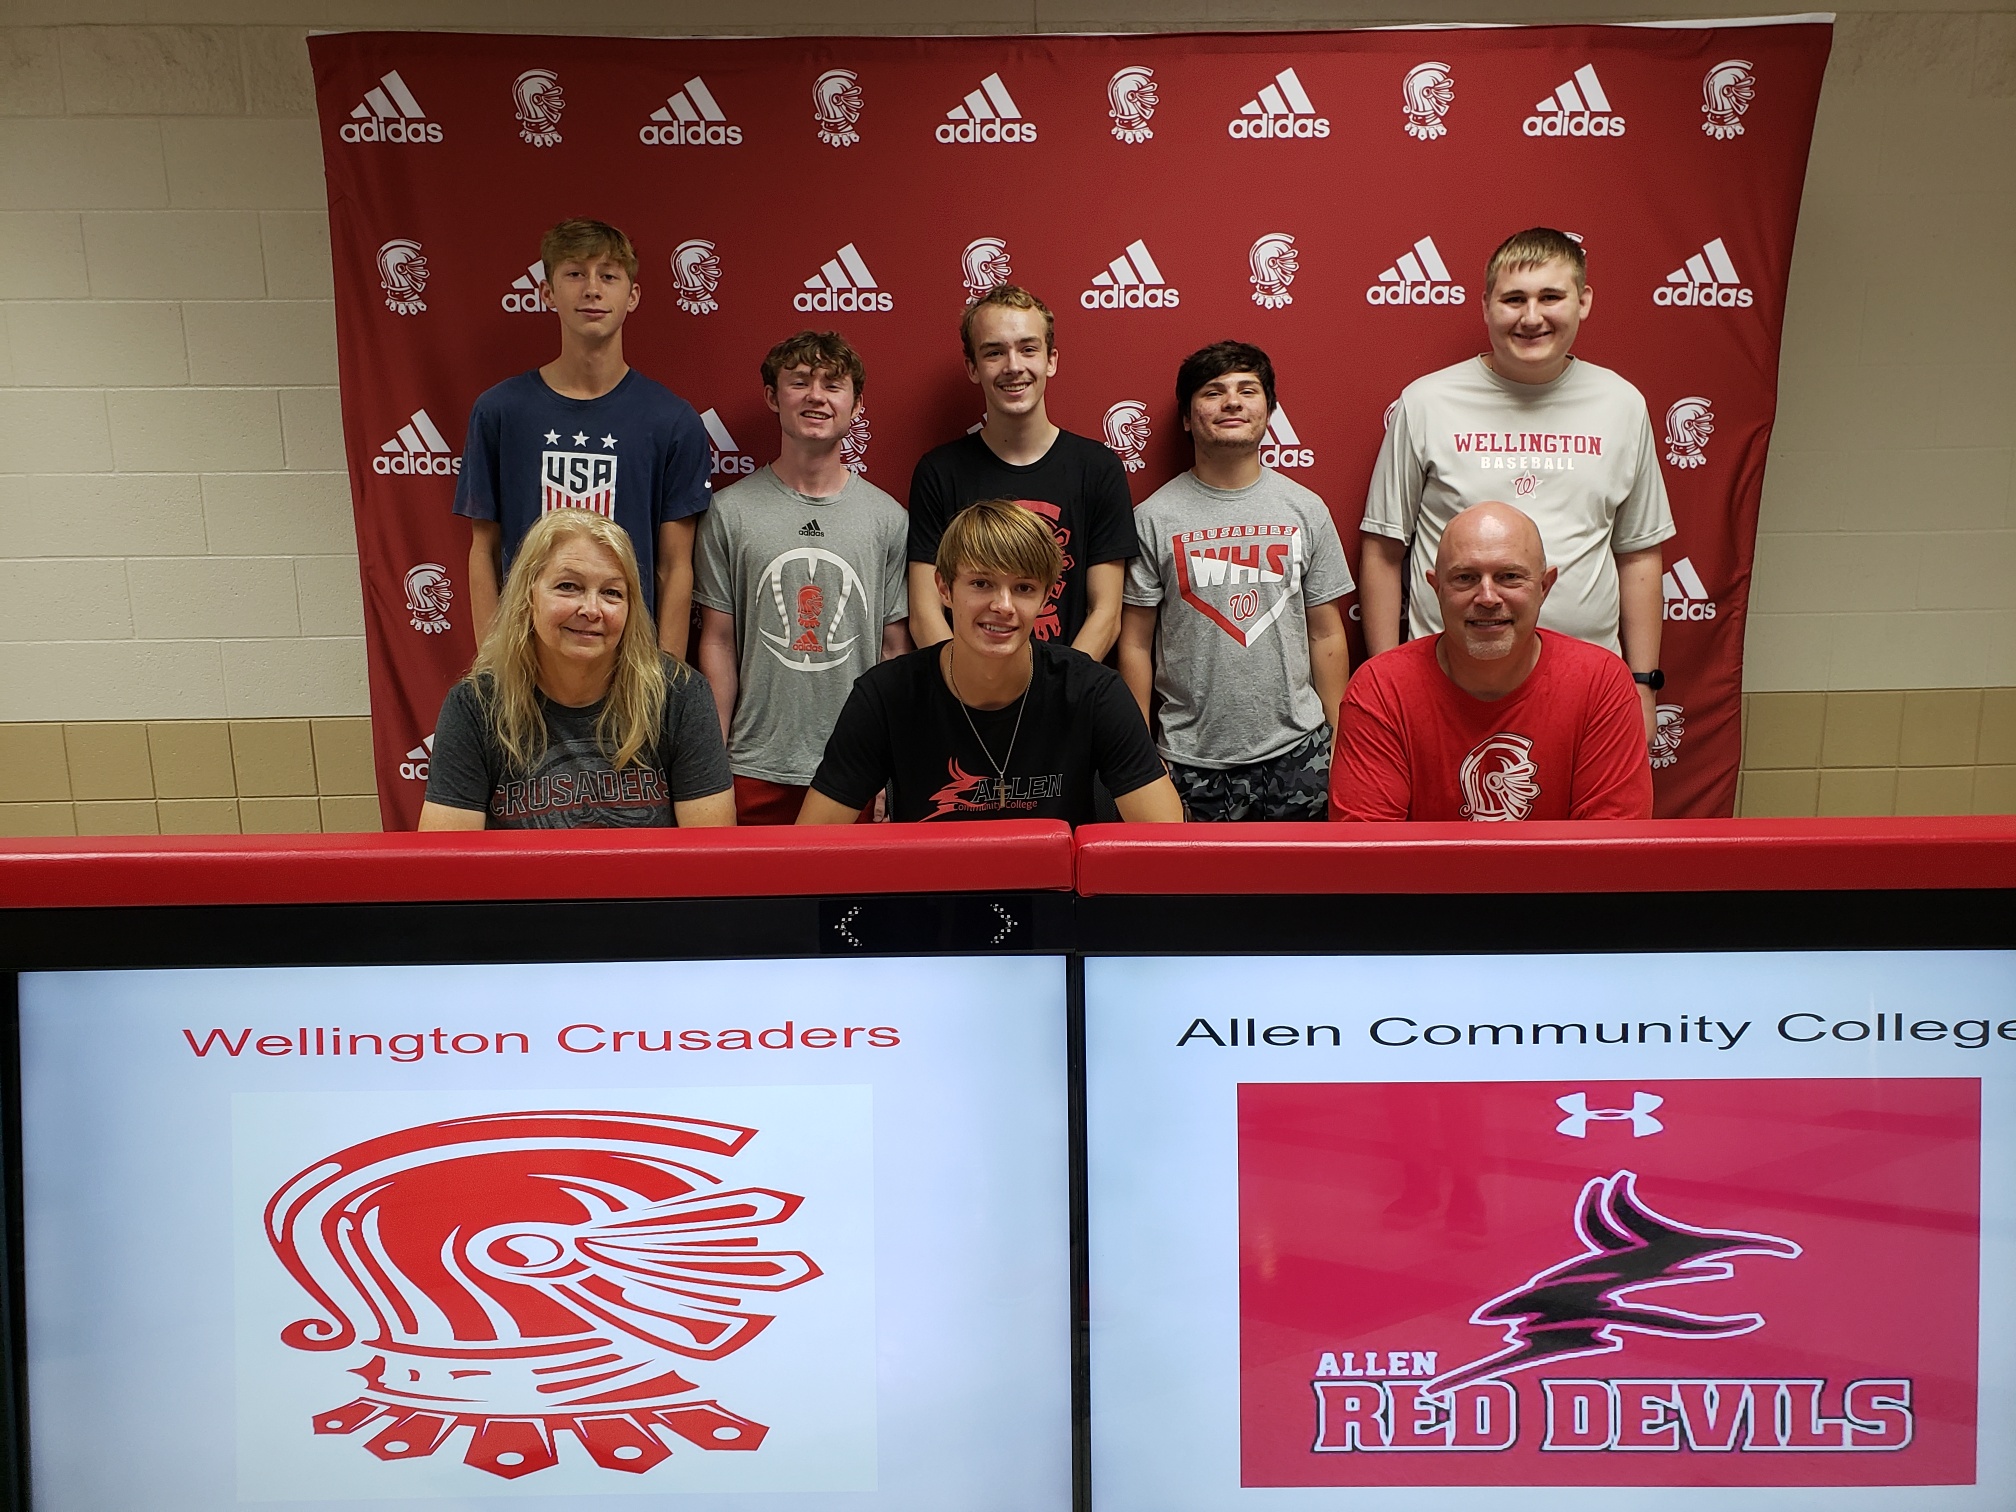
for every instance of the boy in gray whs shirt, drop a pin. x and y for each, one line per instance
(799, 575)
(1232, 609)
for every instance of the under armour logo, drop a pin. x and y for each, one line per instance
(1576, 1106)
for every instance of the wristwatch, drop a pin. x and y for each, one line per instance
(1655, 679)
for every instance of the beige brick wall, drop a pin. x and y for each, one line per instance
(170, 453)
(187, 777)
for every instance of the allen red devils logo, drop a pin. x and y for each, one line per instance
(1779, 1289)
(1582, 1306)
(525, 1275)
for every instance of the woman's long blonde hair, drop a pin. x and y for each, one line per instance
(506, 671)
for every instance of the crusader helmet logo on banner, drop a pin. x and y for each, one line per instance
(536, 96)
(696, 274)
(1130, 101)
(1725, 94)
(1427, 93)
(1274, 263)
(527, 1279)
(429, 594)
(403, 274)
(836, 107)
(1127, 432)
(984, 266)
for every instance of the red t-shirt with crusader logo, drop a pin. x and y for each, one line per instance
(1569, 743)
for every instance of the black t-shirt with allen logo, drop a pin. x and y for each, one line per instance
(1079, 486)
(902, 727)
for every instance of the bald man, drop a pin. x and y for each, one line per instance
(1494, 718)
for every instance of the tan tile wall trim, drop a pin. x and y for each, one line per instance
(188, 777)
(1922, 751)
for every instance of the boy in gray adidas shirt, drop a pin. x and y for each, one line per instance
(799, 575)
(1232, 612)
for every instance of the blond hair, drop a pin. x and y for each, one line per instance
(586, 241)
(1007, 297)
(1535, 248)
(506, 671)
(1003, 536)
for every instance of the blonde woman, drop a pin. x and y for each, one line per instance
(572, 717)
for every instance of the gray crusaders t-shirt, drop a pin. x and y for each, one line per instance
(573, 785)
(1577, 454)
(811, 583)
(1234, 572)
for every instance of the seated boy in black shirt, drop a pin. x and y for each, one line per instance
(991, 724)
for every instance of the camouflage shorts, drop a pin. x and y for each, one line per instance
(1293, 785)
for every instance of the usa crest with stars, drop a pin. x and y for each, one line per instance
(580, 478)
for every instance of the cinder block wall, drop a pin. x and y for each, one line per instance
(186, 651)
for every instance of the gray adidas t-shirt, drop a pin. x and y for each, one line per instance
(1234, 572)
(811, 583)
(1577, 454)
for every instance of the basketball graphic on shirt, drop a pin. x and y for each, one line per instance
(1499, 779)
(812, 591)
(1240, 577)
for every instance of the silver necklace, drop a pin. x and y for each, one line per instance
(1000, 767)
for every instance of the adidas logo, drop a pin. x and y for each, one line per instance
(1707, 278)
(811, 528)
(525, 298)
(728, 457)
(1578, 108)
(690, 118)
(988, 114)
(414, 767)
(1684, 595)
(1280, 111)
(1131, 281)
(1281, 447)
(843, 282)
(1418, 277)
(390, 114)
(418, 448)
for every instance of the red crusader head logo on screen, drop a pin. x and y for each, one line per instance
(1673, 1283)
(528, 1275)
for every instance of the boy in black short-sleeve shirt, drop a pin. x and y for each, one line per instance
(1076, 485)
(990, 723)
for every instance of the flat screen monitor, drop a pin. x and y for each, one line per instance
(698, 1234)
(1565, 1231)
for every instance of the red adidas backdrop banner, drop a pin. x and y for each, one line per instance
(1331, 196)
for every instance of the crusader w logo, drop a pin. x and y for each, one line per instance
(525, 1275)
(1581, 1306)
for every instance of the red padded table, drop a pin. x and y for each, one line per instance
(144, 871)
(1729, 855)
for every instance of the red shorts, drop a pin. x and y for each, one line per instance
(760, 802)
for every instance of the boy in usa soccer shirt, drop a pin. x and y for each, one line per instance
(587, 431)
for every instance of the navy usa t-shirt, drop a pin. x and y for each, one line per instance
(637, 455)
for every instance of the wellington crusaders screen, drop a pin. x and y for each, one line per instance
(1769, 1282)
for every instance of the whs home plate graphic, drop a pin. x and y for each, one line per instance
(532, 1274)
(1657, 1283)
